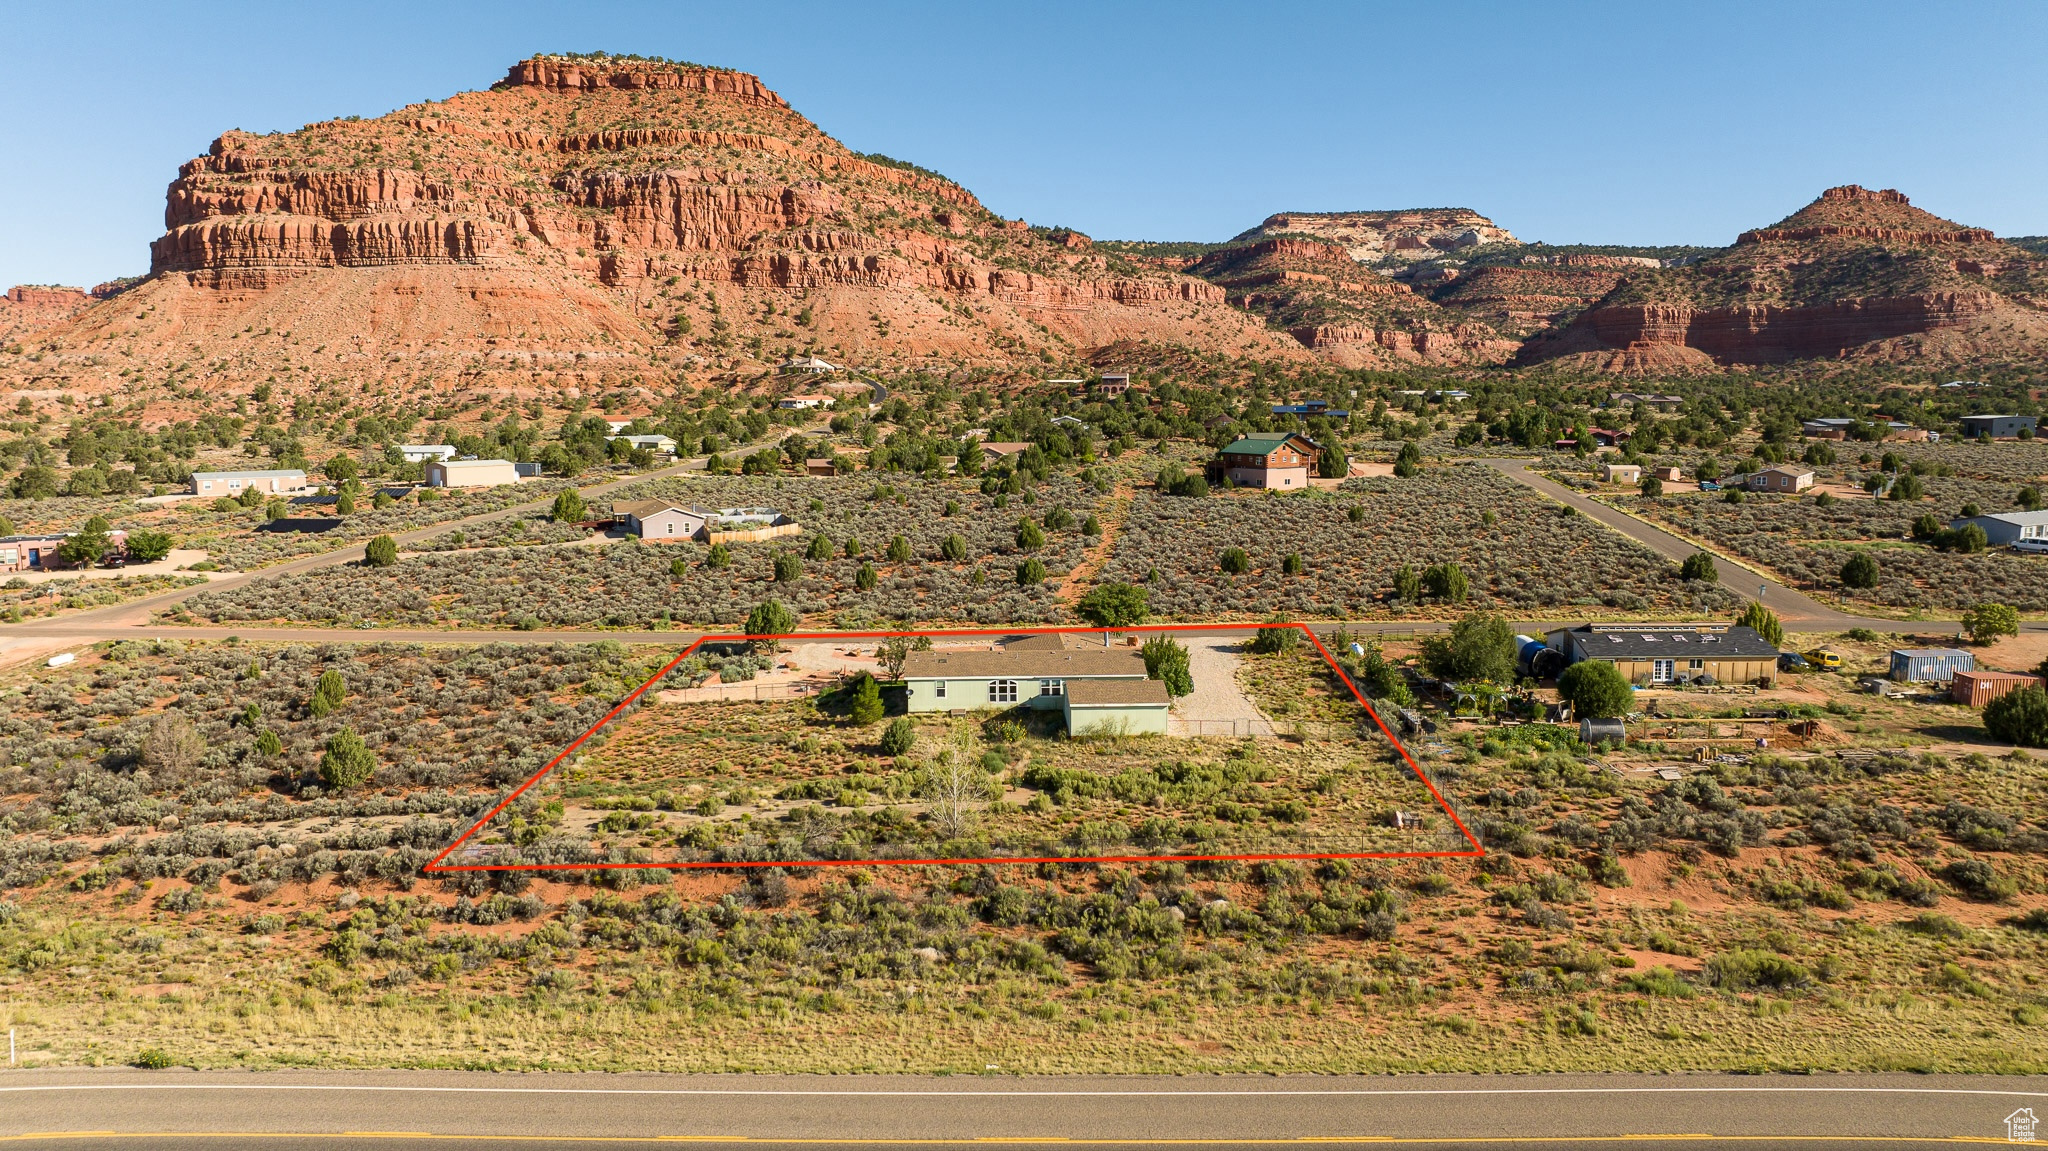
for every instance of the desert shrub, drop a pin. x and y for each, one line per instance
(2019, 717)
(347, 762)
(1596, 689)
(1167, 662)
(1748, 970)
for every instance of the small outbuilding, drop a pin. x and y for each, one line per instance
(1977, 688)
(1929, 664)
(1998, 427)
(1620, 473)
(471, 473)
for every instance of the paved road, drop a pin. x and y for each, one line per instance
(392, 1109)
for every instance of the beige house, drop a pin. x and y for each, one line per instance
(1668, 475)
(660, 520)
(1620, 473)
(275, 482)
(1652, 655)
(1782, 480)
(1267, 460)
(471, 473)
(993, 452)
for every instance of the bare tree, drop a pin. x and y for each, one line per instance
(895, 652)
(173, 746)
(955, 785)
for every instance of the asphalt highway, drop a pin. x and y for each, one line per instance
(402, 1109)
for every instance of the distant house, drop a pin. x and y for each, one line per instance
(1608, 437)
(1564, 445)
(1668, 475)
(1929, 664)
(1653, 401)
(821, 466)
(803, 364)
(1620, 473)
(1113, 384)
(659, 445)
(1110, 684)
(1069, 422)
(1311, 408)
(994, 450)
(1266, 460)
(1998, 427)
(2006, 528)
(618, 426)
(1781, 479)
(426, 453)
(807, 400)
(1652, 654)
(660, 520)
(471, 473)
(277, 482)
(29, 553)
(1840, 428)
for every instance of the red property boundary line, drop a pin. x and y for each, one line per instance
(435, 866)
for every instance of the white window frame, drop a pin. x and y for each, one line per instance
(1662, 670)
(1052, 687)
(1002, 691)
(939, 689)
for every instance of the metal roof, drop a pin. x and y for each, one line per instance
(1652, 641)
(1261, 445)
(1117, 693)
(1023, 664)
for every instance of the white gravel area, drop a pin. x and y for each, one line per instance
(1218, 705)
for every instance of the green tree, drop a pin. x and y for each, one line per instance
(1407, 585)
(821, 547)
(345, 504)
(1292, 564)
(1091, 526)
(1860, 571)
(1275, 640)
(954, 548)
(1596, 689)
(2019, 717)
(340, 469)
(268, 743)
(1234, 561)
(2028, 497)
(678, 568)
(866, 578)
(88, 545)
(867, 701)
(1115, 604)
(1030, 572)
(1447, 582)
(1481, 646)
(718, 557)
(1699, 566)
(569, 508)
(1763, 621)
(770, 617)
(1907, 488)
(1167, 662)
(146, 546)
(788, 568)
(381, 552)
(328, 694)
(899, 549)
(1652, 488)
(899, 737)
(347, 762)
(1030, 537)
(1987, 621)
(894, 652)
(1333, 464)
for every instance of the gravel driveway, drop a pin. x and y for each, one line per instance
(1218, 705)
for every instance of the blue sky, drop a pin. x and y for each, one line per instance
(1572, 123)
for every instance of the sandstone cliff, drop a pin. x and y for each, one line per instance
(586, 220)
(1856, 274)
(1373, 237)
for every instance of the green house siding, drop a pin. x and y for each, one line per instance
(1128, 719)
(969, 693)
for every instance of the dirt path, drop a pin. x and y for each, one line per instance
(1111, 516)
(1218, 706)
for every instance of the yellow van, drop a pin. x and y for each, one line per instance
(1824, 659)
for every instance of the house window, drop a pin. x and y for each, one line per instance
(939, 689)
(1660, 671)
(1696, 665)
(1052, 687)
(1002, 691)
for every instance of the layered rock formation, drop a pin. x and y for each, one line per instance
(1855, 274)
(1375, 237)
(608, 216)
(26, 309)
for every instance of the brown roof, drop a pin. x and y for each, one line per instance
(1003, 447)
(1022, 664)
(1117, 692)
(1050, 641)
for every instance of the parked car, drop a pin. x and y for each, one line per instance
(1793, 661)
(1709, 486)
(116, 560)
(1824, 659)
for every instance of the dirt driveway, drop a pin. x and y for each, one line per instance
(1218, 705)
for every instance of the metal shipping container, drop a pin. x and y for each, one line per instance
(1977, 688)
(1930, 664)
